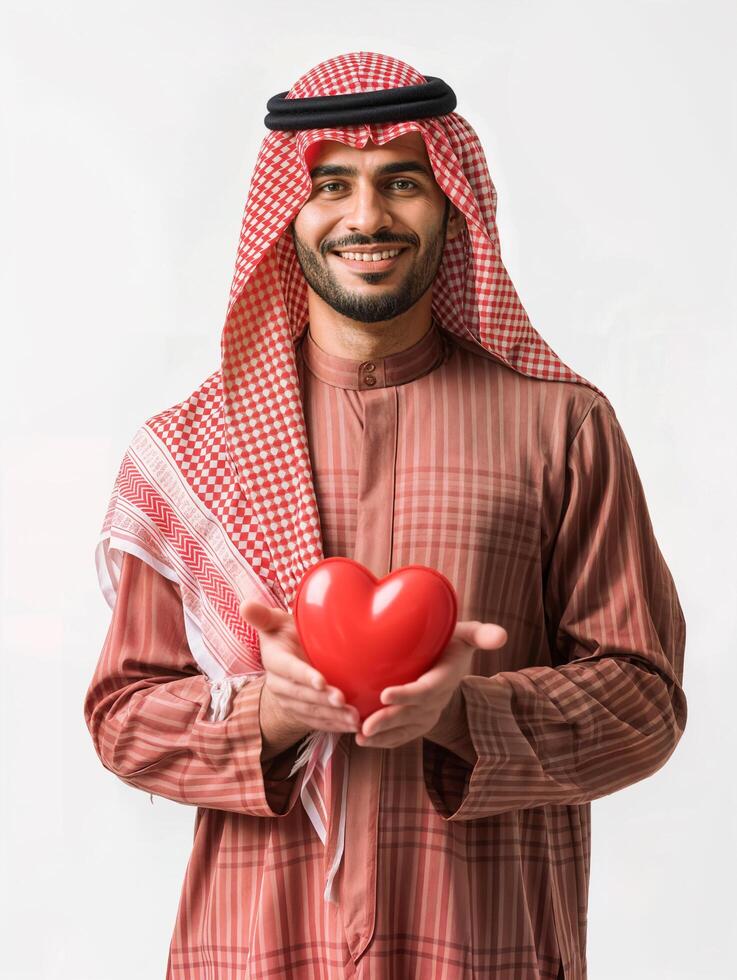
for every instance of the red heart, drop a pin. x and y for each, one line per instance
(364, 634)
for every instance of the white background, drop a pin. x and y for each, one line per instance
(129, 132)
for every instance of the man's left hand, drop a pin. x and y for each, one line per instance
(414, 709)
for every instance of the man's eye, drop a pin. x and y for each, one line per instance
(337, 184)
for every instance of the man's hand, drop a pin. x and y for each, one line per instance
(417, 707)
(296, 698)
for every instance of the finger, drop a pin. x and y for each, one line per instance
(434, 681)
(291, 667)
(482, 636)
(264, 618)
(330, 697)
(384, 718)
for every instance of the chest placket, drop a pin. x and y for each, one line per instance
(373, 548)
(376, 480)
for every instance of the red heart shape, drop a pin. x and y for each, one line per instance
(364, 634)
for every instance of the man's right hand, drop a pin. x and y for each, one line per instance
(295, 699)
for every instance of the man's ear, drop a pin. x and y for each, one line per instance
(456, 223)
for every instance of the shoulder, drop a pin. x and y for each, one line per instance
(559, 406)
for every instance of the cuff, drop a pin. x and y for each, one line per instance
(453, 754)
(268, 789)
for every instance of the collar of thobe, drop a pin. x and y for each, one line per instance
(377, 372)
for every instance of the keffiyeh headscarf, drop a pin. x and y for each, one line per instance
(216, 492)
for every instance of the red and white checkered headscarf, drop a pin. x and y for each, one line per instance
(216, 492)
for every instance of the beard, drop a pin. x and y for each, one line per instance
(374, 306)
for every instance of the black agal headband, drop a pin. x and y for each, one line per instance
(433, 98)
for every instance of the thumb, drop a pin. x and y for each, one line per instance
(263, 617)
(482, 636)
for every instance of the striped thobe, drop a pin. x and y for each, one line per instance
(466, 855)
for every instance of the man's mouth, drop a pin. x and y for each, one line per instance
(369, 260)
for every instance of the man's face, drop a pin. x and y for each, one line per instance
(366, 202)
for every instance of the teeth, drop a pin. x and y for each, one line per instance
(370, 256)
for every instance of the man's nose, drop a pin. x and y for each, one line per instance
(368, 211)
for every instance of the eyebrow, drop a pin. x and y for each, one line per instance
(339, 170)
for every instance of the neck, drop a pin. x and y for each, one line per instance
(337, 334)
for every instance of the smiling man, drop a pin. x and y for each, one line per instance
(383, 395)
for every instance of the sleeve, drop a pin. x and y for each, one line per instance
(147, 711)
(611, 710)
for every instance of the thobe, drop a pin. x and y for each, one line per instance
(467, 851)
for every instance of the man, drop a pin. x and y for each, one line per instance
(397, 410)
